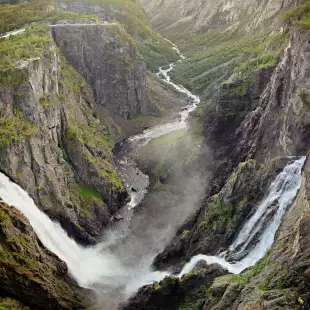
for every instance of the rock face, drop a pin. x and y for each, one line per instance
(107, 58)
(56, 149)
(281, 279)
(280, 123)
(274, 125)
(31, 273)
(216, 225)
(173, 293)
(170, 15)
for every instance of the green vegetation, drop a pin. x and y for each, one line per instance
(15, 128)
(259, 266)
(73, 80)
(48, 101)
(300, 15)
(230, 278)
(95, 139)
(156, 53)
(300, 301)
(304, 97)
(17, 16)
(11, 304)
(264, 286)
(185, 234)
(20, 266)
(34, 42)
(217, 55)
(169, 139)
(155, 50)
(218, 214)
(86, 197)
(89, 193)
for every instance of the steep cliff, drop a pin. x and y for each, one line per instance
(155, 50)
(168, 16)
(238, 126)
(106, 56)
(52, 144)
(259, 113)
(31, 273)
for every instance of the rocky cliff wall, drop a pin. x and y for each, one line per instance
(53, 145)
(31, 273)
(201, 15)
(107, 58)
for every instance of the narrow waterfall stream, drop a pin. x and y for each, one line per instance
(266, 220)
(104, 267)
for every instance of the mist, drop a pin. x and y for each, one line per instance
(135, 241)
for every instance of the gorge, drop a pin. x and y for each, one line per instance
(136, 177)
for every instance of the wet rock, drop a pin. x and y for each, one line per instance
(117, 218)
(31, 273)
(223, 214)
(173, 293)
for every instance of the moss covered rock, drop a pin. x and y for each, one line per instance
(31, 273)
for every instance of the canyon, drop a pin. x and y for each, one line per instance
(154, 155)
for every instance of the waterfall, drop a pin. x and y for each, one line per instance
(87, 265)
(265, 220)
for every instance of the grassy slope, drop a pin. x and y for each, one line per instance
(154, 49)
(17, 16)
(217, 55)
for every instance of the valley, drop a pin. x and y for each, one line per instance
(153, 155)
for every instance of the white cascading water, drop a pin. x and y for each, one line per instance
(95, 266)
(89, 266)
(273, 207)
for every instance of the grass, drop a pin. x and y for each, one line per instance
(300, 15)
(86, 197)
(11, 304)
(17, 16)
(169, 139)
(217, 55)
(89, 193)
(94, 136)
(155, 50)
(15, 128)
(218, 213)
(304, 97)
(31, 44)
(230, 278)
(259, 266)
(73, 80)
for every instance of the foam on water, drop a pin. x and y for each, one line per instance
(281, 195)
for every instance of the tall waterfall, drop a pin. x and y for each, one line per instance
(264, 223)
(97, 265)
(89, 266)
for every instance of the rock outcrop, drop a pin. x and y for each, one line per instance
(274, 124)
(29, 272)
(106, 56)
(215, 226)
(53, 145)
(172, 293)
(170, 15)
(281, 279)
